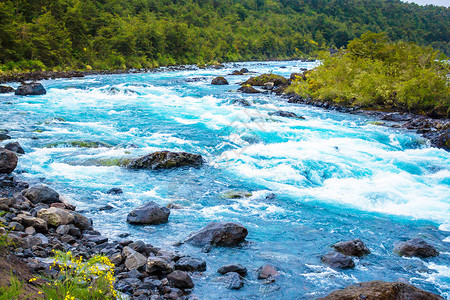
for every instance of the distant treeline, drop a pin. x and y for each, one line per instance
(111, 34)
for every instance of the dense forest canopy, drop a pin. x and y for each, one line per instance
(106, 34)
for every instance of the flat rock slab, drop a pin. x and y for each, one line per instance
(166, 160)
(381, 290)
(218, 234)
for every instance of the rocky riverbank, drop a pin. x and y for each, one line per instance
(42, 220)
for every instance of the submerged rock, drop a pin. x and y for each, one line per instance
(285, 114)
(80, 144)
(115, 191)
(41, 194)
(241, 102)
(33, 88)
(15, 147)
(352, 248)
(218, 234)
(240, 269)
(6, 89)
(150, 214)
(236, 194)
(381, 290)
(166, 160)
(416, 247)
(219, 81)
(8, 161)
(234, 281)
(267, 271)
(338, 260)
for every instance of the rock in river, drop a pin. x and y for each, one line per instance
(285, 114)
(166, 160)
(219, 81)
(352, 248)
(267, 271)
(248, 89)
(381, 290)
(218, 234)
(33, 88)
(416, 247)
(149, 213)
(338, 260)
(6, 89)
(8, 161)
(15, 147)
(237, 268)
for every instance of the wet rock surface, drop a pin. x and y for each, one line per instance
(218, 234)
(219, 81)
(416, 247)
(8, 161)
(352, 248)
(166, 160)
(381, 290)
(338, 260)
(149, 214)
(28, 89)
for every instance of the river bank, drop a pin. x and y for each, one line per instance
(196, 196)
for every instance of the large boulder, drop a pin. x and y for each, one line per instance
(4, 136)
(338, 260)
(416, 247)
(15, 147)
(41, 194)
(33, 88)
(218, 234)
(6, 89)
(149, 213)
(267, 271)
(352, 248)
(8, 161)
(166, 160)
(237, 268)
(381, 290)
(219, 81)
(180, 280)
(55, 216)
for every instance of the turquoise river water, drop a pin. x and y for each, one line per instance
(314, 182)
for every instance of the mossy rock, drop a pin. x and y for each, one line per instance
(378, 123)
(236, 194)
(112, 162)
(79, 144)
(261, 80)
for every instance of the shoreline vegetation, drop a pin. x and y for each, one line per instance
(57, 35)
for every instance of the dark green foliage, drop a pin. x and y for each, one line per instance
(376, 73)
(84, 34)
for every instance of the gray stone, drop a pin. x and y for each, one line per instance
(41, 194)
(220, 80)
(157, 264)
(190, 264)
(33, 88)
(267, 271)
(237, 268)
(234, 281)
(150, 214)
(135, 260)
(56, 216)
(219, 234)
(181, 280)
(166, 160)
(15, 147)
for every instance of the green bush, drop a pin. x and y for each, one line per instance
(375, 73)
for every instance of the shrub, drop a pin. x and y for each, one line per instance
(375, 73)
(78, 279)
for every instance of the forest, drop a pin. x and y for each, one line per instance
(120, 34)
